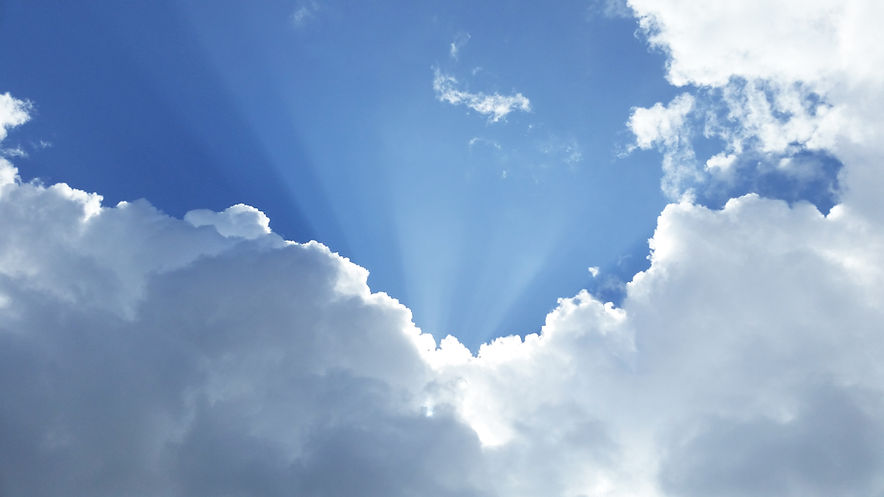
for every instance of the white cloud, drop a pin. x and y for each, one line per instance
(759, 121)
(824, 50)
(239, 220)
(721, 162)
(479, 141)
(667, 128)
(305, 12)
(815, 41)
(142, 354)
(207, 362)
(13, 112)
(460, 41)
(16, 151)
(661, 124)
(610, 8)
(495, 106)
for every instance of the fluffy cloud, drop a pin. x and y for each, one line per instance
(143, 355)
(805, 79)
(774, 134)
(742, 340)
(815, 42)
(146, 355)
(666, 127)
(13, 112)
(495, 106)
(238, 220)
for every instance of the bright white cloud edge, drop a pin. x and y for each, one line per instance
(156, 356)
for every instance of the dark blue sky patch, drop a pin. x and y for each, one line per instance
(809, 176)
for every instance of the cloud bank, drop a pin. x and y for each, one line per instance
(147, 355)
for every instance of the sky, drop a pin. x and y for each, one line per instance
(332, 119)
(327, 248)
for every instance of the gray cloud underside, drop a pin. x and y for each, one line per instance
(150, 356)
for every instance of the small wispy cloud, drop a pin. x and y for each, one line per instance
(304, 13)
(13, 152)
(566, 150)
(612, 9)
(478, 140)
(460, 41)
(495, 105)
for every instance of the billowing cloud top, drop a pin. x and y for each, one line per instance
(13, 112)
(147, 355)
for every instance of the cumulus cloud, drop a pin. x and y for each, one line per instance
(761, 126)
(660, 124)
(146, 355)
(667, 128)
(495, 105)
(807, 77)
(13, 112)
(816, 43)
(238, 220)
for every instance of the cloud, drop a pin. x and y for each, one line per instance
(146, 353)
(495, 106)
(614, 9)
(478, 141)
(256, 366)
(762, 127)
(14, 152)
(820, 41)
(668, 129)
(460, 41)
(566, 150)
(143, 354)
(827, 61)
(13, 112)
(661, 124)
(239, 220)
(305, 12)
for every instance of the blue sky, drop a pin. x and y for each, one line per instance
(324, 116)
(504, 169)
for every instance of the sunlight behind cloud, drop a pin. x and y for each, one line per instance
(205, 354)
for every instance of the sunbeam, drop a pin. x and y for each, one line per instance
(334, 248)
